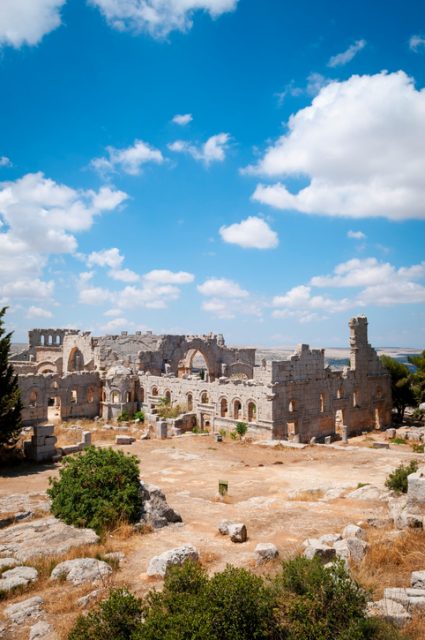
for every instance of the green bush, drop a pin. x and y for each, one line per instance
(397, 480)
(418, 448)
(124, 416)
(241, 428)
(139, 415)
(98, 489)
(116, 618)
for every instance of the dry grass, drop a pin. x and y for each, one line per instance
(310, 495)
(416, 629)
(390, 560)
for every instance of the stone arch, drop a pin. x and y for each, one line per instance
(224, 408)
(58, 340)
(204, 399)
(42, 340)
(50, 339)
(75, 360)
(46, 367)
(184, 366)
(239, 371)
(251, 411)
(154, 391)
(237, 409)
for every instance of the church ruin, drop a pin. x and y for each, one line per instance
(82, 376)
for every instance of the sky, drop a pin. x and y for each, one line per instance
(248, 167)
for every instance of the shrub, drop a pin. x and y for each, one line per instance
(398, 441)
(114, 619)
(98, 489)
(241, 429)
(222, 432)
(139, 415)
(418, 448)
(124, 416)
(397, 480)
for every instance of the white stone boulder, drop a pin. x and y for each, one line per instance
(368, 492)
(322, 551)
(21, 611)
(158, 565)
(81, 570)
(391, 611)
(330, 538)
(417, 579)
(8, 563)
(410, 598)
(17, 577)
(223, 527)
(238, 532)
(353, 531)
(265, 552)
(42, 631)
(124, 440)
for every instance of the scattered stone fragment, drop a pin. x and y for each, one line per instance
(223, 527)
(158, 564)
(85, 600)
(265, 552)
(124, 439)
(380, 445)
(357, 549)
(238, 532)
(391, 611)
(81, 570)
(330, 538)
(410, 598)
(8, 563)
(417, 579)
(155, 510)
(353, 531)
(19, 612)
(17, 577)
(322, 551)
(368, 492)
(117, 556)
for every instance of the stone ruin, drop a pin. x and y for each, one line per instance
(73, 374)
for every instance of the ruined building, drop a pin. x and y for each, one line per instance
(82, 376)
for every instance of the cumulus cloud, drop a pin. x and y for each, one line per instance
(356, 235)
(129, 160)
(28, 21)
(158, 17)
(252, 233)
(117, 323)
(346, 56)
(417, 43)
(164, 276)
(222, 288)
(182, 119)
(41, 217)
(361, 144)
(213, 150)
(299, 302)
(38, 312)
(106, 258)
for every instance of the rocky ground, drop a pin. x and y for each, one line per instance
(282, 495)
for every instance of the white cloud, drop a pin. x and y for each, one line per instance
(356, 235)
(315, 82)
(129, 160)
(417, 43)
(361, 145)
(117, 323)
(164, 276)
(158, 17)
(299, 302)
(182, 119)
(346, 56)
(106, 258)
(213, 150)
(124, 275)
(95, 295)
(41, 217)
(5, 161)
(38, 312)
(252, 233)
(222, 288)
(112, 313)
(27, 21)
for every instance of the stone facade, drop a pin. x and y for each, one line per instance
(296, 399)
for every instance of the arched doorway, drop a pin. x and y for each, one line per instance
(237, 409)
(223, 408)
(194, 363)
(75, 360)
(189, 402)
(339, 421)
(252, 412)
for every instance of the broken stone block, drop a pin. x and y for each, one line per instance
(158, 565)
(265, 552)
(329, 538)
(391, 611)
(41, 631)
(322, 551)
(17, 577)
(417, 579)
(380, 445)
(124, 440)
(81, 570)
(353, 531)
(155, 510)
(223, 527)
(238, 532)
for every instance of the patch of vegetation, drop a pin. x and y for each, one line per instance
(10, 395)
(241, 428)
(222, 432)
(418, 448)
(98, 489)
(398, 441)
(362, 484)
(139, 415)
(397, 480)
(124, 416)
(305, 601)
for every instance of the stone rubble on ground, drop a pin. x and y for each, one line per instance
(156, 512)
(17, 577)
(158, 565)
(42, 631)
(85, 600)
(348, 546)
(265, 552)
(399, 603)
(235, 530)
(81, 570)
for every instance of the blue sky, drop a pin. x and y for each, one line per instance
(249, 167)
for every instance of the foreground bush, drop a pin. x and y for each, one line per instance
(98, 489)
(306, 601)
(397, 480)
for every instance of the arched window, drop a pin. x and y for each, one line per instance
(42, 340)
(252, 412)
(204, 397)
(90, 395)
(189, 402)
(33, 398)
(237, 409)
(154, 391)
(50, 340)
(75, 360)
(74, 396)
(339, 393)
(168, 397)
(223, 408)
(58, 340)
(115, 397)
(142, 394)
(322, 403)
(292, 406)
(355, 399)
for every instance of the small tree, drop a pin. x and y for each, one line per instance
(241, 428)
(418, 377)
(98, 489)
(10, 397)
(397, 480)
(401, 385)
